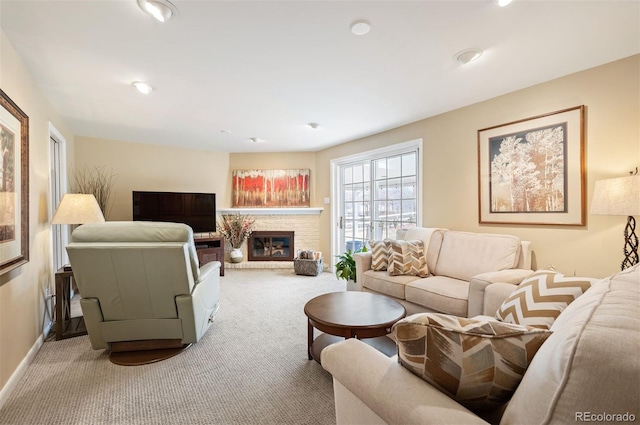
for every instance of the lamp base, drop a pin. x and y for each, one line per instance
(630, 244)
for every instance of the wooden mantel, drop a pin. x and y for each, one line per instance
(270, 211)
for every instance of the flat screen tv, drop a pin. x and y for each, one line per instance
(197, 210)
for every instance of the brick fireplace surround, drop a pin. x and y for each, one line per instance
(305, 222)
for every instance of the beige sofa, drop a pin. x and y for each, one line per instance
(461, 266)
(587, 371)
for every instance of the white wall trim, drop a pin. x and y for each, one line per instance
(20, 371)
(270, 211)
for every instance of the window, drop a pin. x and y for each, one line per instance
(377, 194)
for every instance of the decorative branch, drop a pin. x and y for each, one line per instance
(95, 181)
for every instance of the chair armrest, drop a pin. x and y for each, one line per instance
(207, 269)
(478, 284)
(363, 263)
(387, 389)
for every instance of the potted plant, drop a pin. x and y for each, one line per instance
(236, 229)
(346, 267)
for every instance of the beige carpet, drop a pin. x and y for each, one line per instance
(250, 368)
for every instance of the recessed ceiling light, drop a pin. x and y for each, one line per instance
(142, 87)
(360, 27)
(467, 56)
(256, 139)
(313, 125)
(225, 131)
(162, 10)
(502, 3)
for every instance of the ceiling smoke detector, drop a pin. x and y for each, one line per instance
(360, 27)
(466, 56)
(162, 10)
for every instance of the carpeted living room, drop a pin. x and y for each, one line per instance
(416, 174)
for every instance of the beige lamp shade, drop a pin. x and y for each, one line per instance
(619, 196)
(78, 208)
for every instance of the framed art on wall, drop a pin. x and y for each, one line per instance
(271, 188)
(531, 171)
(14, 185)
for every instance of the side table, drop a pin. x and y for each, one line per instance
(66, 326)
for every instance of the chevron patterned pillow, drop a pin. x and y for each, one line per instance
(540, 298)
(379, 255)
(407, 258)
(479, 363)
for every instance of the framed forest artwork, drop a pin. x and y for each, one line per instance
(271, 188)
(14, 185)
(532, 171)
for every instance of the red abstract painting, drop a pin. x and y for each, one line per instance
(271, 188)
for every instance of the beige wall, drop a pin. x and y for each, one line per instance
(611, 94)
(147, 167)
(274, 161)
(22, 301)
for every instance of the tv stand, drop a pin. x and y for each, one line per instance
(210, 249)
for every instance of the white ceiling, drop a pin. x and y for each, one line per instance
(266, 69)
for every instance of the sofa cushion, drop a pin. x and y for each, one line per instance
(590, 363)
(539, 299)
(439, 293)
(479, 363)
(383, 283)
(379, 255)
(432, 238)
(464, 255)
(407, 258)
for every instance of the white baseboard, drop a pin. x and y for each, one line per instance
(5, 392)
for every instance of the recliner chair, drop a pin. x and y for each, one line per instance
(141, 281)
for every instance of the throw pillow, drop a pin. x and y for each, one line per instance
(379, 255)
(407, 258)
(477, 362)
(539, 299)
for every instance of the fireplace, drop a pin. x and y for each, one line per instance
(270, 246)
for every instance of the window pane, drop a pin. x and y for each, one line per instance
(409, 210)
(395, 190)
(409, 164)
(348, 175)
(357, 174)
(367, 191)
(409, 187)
(380, 167)
(348, 194)
(358, 192)
(381, 190)
(394, 168)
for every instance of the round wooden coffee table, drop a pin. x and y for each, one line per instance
(352, 314)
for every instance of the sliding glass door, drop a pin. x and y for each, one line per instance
(378, 194)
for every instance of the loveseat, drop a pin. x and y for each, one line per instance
(586, 371)
(460, 267)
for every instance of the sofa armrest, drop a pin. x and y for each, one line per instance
(363, 263)
(479, 283)
(386, 389)
(494, 296)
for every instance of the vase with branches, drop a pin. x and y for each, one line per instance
(236, 228)
(97, 182)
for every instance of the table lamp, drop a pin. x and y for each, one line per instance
(77, 208)
(620, 196)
